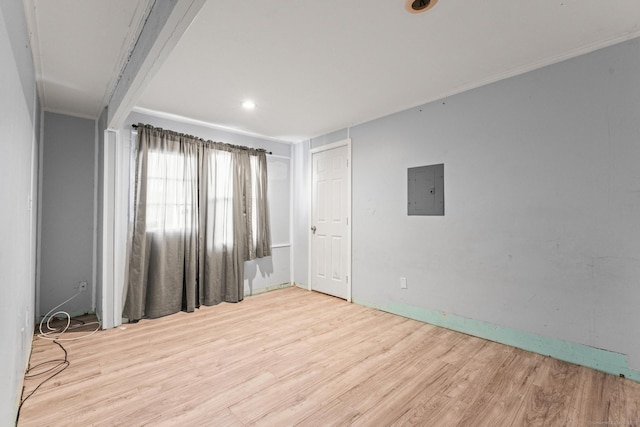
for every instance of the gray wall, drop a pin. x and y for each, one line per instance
(542, 200)
(19, 133)
(260, 274)
(67, 220)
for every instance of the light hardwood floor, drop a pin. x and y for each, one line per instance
(293, 357)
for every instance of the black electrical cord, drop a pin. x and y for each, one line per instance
(60, 365)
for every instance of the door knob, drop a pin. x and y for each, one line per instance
(313, 229)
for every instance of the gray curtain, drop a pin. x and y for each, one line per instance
(200, 211)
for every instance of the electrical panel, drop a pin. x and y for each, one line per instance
(426, 190)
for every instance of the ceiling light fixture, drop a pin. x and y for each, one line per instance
(419, 6)
(249, 105)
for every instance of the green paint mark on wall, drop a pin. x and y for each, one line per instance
(602, 360)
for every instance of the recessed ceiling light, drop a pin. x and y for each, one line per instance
(419, 6)
(249, 105)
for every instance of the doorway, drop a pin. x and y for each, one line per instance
(330, 228)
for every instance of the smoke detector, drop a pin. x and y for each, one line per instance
(419, 6)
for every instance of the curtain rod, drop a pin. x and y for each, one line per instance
(265, 151)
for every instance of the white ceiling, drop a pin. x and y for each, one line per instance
(312, 67)
(79, 49)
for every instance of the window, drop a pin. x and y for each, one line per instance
(171, 180)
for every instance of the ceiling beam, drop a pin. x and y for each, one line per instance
(166, 23)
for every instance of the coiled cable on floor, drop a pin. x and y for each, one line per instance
(59, 331)
(58, 365)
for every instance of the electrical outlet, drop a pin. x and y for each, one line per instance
(403, 283)
(83, 286)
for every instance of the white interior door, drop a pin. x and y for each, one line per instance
(330, 210)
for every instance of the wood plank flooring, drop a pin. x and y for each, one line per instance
(292, 357)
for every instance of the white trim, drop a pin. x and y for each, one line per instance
(117, 223)
(345, 142)
(331, 146)
(114, 227)
(108, 232)
(291, 214)
(349, 221)
(94, 255)
(281, 245)
(39, 221)
(310, 213)
(34, 178)
(121, 223)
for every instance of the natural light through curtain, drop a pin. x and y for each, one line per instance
(219, 200)
(200, 211)
(169, 201)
